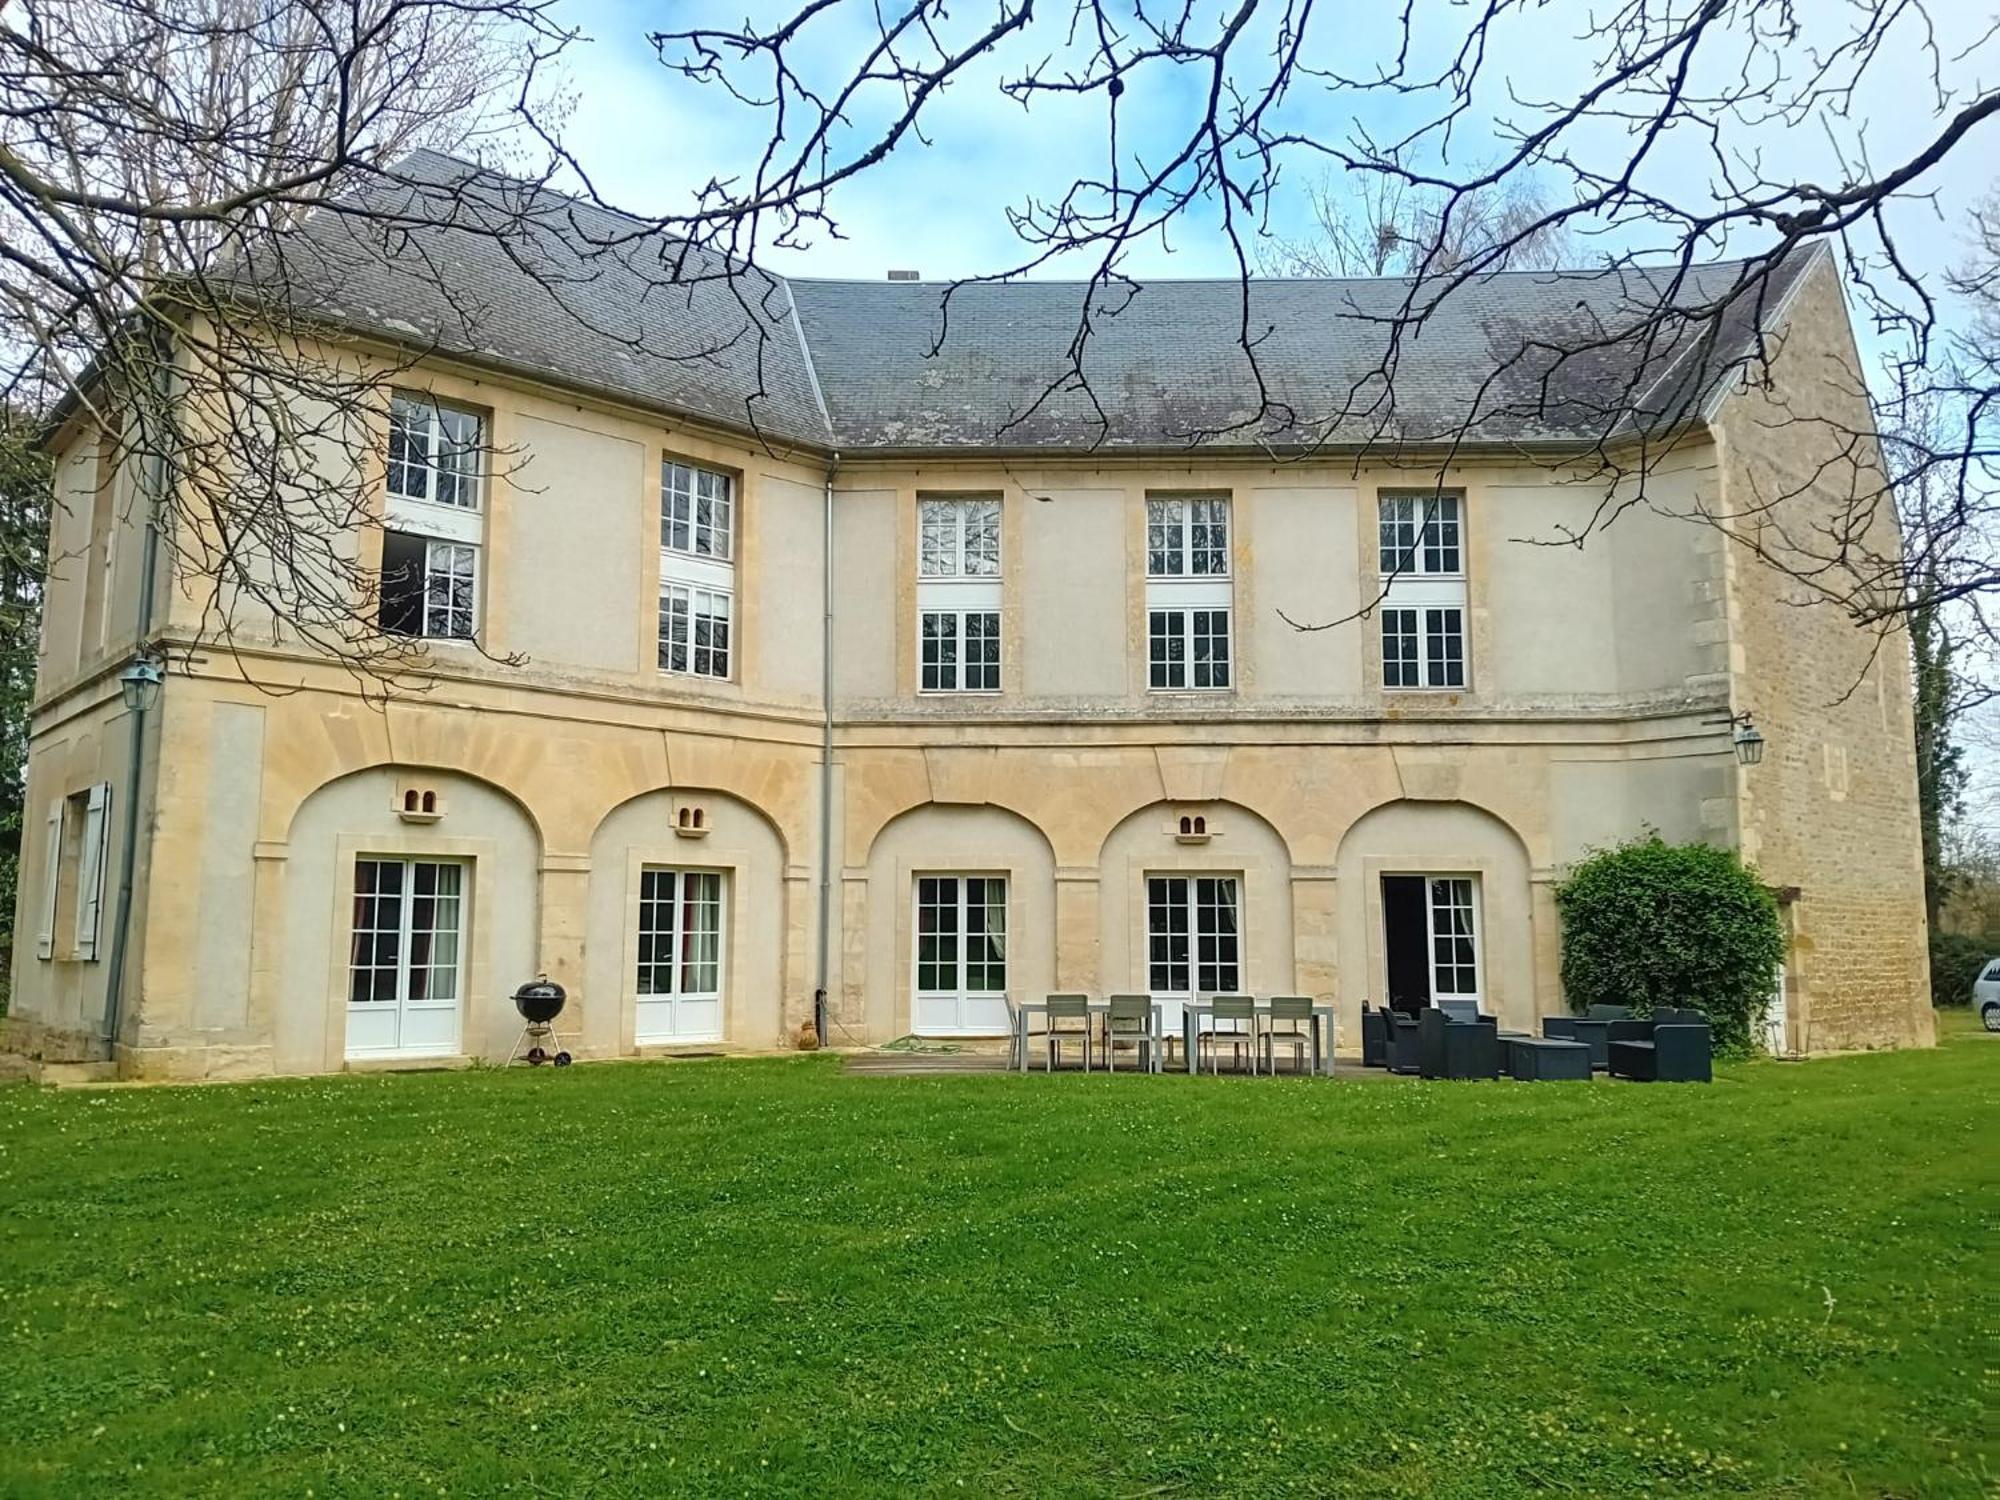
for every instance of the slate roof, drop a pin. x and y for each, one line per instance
(588, 297)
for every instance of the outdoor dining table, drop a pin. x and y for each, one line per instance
(1322, 1032)
(1099, 1010)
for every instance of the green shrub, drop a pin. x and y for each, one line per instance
(1652, 924)
(1955, 962)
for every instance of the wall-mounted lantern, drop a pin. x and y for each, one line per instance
(1744, 736)
(139, 685)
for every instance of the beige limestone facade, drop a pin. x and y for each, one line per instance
(585, 801)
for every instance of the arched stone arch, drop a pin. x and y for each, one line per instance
(707, 832)
(1238, 842)
(360, 815)
(946, 839)
(1414, 837)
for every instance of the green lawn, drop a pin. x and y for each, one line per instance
(720, 1277)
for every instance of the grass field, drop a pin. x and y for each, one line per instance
(770, 1277)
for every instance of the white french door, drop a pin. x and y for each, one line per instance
(680, 957)
(1451, 905)
(961, 958)
(1193, 941)
(406, 961)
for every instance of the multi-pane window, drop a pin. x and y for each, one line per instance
(1419, 534)
(697, 511)
(428, 586)
(679, 984)
(960, 651)
(1193, 935)
(958, 537)
(697, 569)
(694, 630)
(432, 527)
(1188, 593)
(405, 956)
(436, 452)
(1187, 648)
(1454, 954)
(1421, 557)
(1187, 536)
(958, 594)
(961, 957)
(1423, 648)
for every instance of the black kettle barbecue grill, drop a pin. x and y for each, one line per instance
(540, 1002)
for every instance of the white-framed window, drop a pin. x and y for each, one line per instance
(1187, 648)
(680, 952)
(432, 526)
(694, 630)
(1189, 597)
(959, 651)
(1421, 560)
(406, 956)
(436, 452)
(429, 586)
(961, 955)
(697, 570)
(697, 511)
(958, 594)
(1187, 536)
(1193, 935)
(1454, 937)
(958, 536)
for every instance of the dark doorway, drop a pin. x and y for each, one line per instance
(1406, 936)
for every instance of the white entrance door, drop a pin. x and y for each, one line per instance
(1193, 941)
(1452, 906)
(680, 957)
(961, 959)
(406, 965)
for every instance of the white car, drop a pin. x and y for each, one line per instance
(1986, 995)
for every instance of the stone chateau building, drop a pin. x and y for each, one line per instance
(1038, 720)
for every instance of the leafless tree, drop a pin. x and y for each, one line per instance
(1664, 154)
(1382, 226)
(158, 159)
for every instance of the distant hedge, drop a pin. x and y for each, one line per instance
(1955, 962)
(1651, 924)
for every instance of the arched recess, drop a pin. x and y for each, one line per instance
(1239, 844)
(955, 841)
(736, 855)
(483, 832)
(1412, 837)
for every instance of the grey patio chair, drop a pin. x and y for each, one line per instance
(1288, 1022)
(1013, 1033)
(1128, 1022)
(1231, 1019)
(1063, 1009)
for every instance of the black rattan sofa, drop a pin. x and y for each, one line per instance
(1669, 1046)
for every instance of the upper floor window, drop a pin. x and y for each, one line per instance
(958, 537)
(697, 511)
(1188, 593)
(432, 530)
(436, 452)
(1420, 535)
(697, 569)
(1422, 564)
(1187, 536)
(958, 594)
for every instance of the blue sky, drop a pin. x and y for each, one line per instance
(650, 138)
